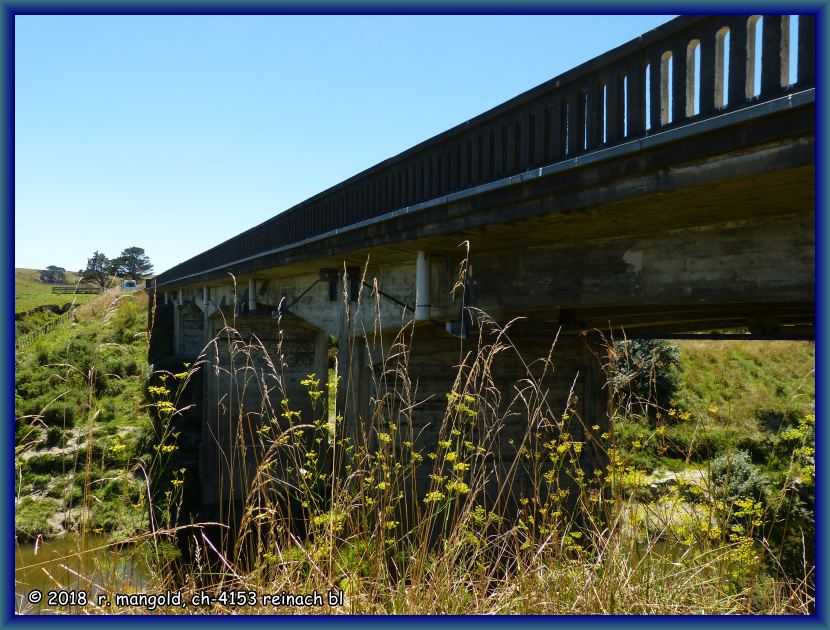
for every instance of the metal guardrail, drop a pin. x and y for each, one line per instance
(640, 88)
(76, 289)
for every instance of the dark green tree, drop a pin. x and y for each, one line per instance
(132, 263)
(53, 274)
(97, 269)
(645, 373)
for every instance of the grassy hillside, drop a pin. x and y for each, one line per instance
(80, 421)
(30, 292)
(730, 395)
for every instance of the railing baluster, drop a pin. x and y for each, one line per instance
(511, 166)
(524, 142)
(489, 157)
(440, 172)
(580, 128)
(464, 158)
(498, 152)
(569, 133)
(679, 68)
(539, 136)
(614, 109)
(654, 87)
(453, 166)
(449, 170)
(475, 159)
(595, 120)
(738, 28)
(707, 70)
(775, 54)
(551, 131)
(636, 98)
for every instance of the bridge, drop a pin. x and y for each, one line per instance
(658, 189)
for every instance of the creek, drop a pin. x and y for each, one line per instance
(74, 564)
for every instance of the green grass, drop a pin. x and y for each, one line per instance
(32, 514)
(731, 395)
(748, 381)
(79, 411)
(30, 292)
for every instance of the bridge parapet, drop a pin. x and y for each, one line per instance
(685, 71)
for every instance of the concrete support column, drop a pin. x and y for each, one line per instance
(205, 304)
(177, 324)
(251, 295)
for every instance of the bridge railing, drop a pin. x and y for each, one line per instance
(686, 70)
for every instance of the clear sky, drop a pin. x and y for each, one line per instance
(174, 133)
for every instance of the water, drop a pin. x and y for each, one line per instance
(81, 567)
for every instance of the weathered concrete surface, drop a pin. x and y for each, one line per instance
(726, 268)
(492, 398)
(253, 376)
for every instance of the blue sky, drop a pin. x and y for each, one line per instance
(174, 133)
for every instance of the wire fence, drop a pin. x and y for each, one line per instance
(22, 341)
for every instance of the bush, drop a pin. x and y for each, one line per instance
(59, 414)
(792, 522)
(644, 373)
(734, 476)
(131, 368)
(31, 516)
(54, 436)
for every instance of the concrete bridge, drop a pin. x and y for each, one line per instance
(657, 189)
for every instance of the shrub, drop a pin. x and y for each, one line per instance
(644, 373)
(131, 368)
(792, 522)
(54, 435)
(31, 516)
(59, 414)
(734, 476)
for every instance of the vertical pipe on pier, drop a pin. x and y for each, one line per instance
(422, 305)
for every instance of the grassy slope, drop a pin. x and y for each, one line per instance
(748, 380)
(30, 292)
(79, 392)
(731, 394)
(743, 392)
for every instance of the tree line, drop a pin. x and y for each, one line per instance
(132, 264)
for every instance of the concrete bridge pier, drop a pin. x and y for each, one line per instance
(520, 411)
(254, 391)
